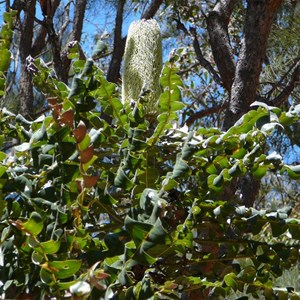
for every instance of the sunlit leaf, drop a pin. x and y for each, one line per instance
(35, 224)
(64, 269)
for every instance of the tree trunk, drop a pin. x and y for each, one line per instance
(113, 74)
(79, 13)
(26, 87)
(217, 26)
(241, 80)
(258, 23)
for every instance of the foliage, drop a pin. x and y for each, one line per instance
(6, 35)
(125, 211)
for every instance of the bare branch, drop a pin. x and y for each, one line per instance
(189, 68)
(40, 40)
(204, 62)
(206, 112)
(217, 25)
(293, 82)
(66, 22)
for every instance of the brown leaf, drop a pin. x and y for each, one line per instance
(67, 118)
(86, 154)
(90, 181)
(80, 132)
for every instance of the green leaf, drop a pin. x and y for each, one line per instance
(77, 88)
(144, 291)
(64, 269)
(260, 172)
(4, 59)
(138, 230)
(169, 184)
(46, 276)
(294, 229)
(180, 168)
(146, 237)
(278, 228)
(215, 182)
(2, 157)
(293, 171)
(50, 247)
(37, 258)
(230, 280)
(35, 224)
(121, 180)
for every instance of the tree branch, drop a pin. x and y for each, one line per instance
(217, 25)
(293, 82)
(40, 40)
(182, 72)
(205, 112)
(152, 9)
(79, 12)
(204, 62)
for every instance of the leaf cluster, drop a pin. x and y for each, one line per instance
(98, 199)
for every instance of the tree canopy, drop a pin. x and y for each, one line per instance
(100, 199)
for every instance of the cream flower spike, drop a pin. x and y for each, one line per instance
(143, 64)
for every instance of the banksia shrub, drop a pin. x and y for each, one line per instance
(143, 64)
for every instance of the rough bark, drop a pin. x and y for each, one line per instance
(241, 79)
(40, 39)
(217, 26)
(258, 22)
(113, 74)
(152, 9)
(26, 37)
(79, 13)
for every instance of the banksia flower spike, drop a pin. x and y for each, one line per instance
(143, 64)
